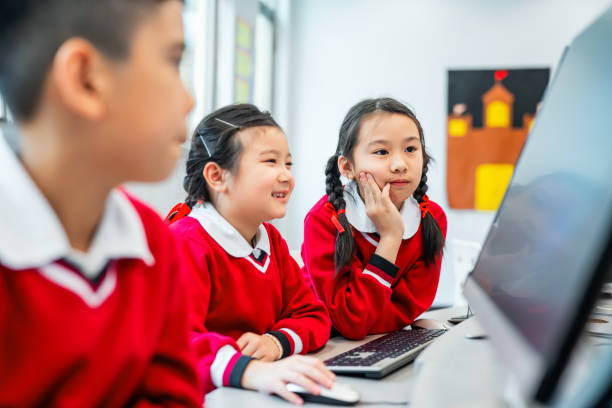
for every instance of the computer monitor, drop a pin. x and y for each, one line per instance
(544, 259)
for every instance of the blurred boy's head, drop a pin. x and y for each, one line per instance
(100, 76)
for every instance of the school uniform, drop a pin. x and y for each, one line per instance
(106, 328)
(370, 295)
(239, 288)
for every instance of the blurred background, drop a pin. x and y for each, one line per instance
(309, 61)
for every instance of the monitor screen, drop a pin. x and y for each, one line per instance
(554, 226)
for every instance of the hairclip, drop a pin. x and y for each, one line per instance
(424, 206)
(205, 146)
(227, 123)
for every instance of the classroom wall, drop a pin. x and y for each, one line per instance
(345, 50)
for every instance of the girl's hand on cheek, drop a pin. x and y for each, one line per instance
(379, 207)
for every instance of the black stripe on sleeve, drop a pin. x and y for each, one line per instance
(235, 378)
(381, 263)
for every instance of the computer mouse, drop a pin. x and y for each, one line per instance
(339, 394)
(430, 324)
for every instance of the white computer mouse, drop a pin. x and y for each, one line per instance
(339, 394)
(430, 324)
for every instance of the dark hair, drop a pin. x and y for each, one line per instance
(31, 32)
(214, 141)
(433, 239)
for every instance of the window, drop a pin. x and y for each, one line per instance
(197, 67)
(264, 55)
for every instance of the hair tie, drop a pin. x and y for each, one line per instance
(334, 216)
(424, 206)
(177, 212)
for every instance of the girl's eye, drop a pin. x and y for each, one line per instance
(380, 152)
(270, 161)
(289, 164)
(411, 149)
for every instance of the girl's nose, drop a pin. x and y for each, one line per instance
(398, 165)
(285, 175)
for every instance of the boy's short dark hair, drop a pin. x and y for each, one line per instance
(31, 32)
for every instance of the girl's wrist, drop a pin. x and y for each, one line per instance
(392, 235)
(388, 247)
(278, 345)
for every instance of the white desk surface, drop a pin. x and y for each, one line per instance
(394, 390)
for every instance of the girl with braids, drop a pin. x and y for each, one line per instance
(247, 286)
(373, 248)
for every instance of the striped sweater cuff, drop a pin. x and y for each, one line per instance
(289, 340)
(237, 371)
(381, 270)
(228, 367)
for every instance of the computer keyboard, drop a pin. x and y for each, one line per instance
(383, 355)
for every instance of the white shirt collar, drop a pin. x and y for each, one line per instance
(358, 218)
(32, 236)
(226, 235)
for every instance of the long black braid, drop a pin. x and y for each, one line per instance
(345, 243)
(433, 239)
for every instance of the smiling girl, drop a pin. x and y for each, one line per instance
(373, 248)
(246, 284)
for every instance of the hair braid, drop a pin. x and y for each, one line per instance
(432, 237)
(421, 190)
(345, 243)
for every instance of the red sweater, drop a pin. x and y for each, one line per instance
(234, 295)
(370, 295)
(129, 345)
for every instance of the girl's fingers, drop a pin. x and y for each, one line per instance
(365, 189)
(385, 192)
(316, 373)
(249, 349)
(374, 188)
(281, 390)
(258, 354)
(245, 339)
(296, 377)
(242, 341)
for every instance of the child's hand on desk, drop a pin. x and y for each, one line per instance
(260, 347)
(272, 378)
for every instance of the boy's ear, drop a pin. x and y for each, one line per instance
(215, 177)
(79, 75)
(345, 167)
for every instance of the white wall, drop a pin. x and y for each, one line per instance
(345, 50)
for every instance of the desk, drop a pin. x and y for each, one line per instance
(394, 390)
(455, 371)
